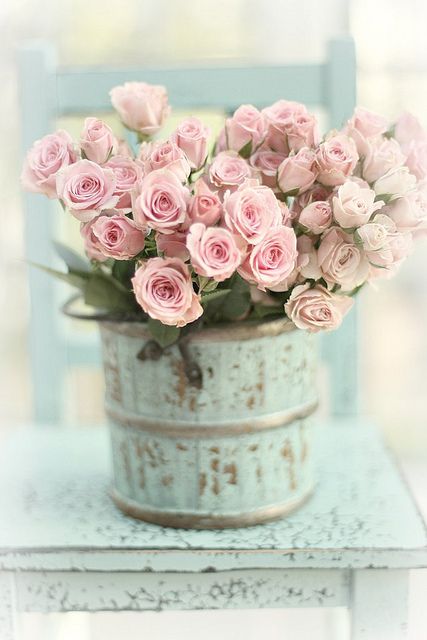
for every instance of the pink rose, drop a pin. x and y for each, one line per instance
(316, 216)
(247, 125)
(271, 261)
(297, 173)
(252, 211)
(410, 212)
(191, 136)
(353, 205)
(166, 155)
(342, 262)
(315, 193)
(162, 203)
(316, 309)
(123, 149)
(142, 107)
(375, 235)
(416, 158)
(290, 126)
(205, 206)
(115, 236)
(173, 245)
(128, 173)
(164, 289)
(97, 141)
(213, 251)
(267, 162)
(86, 189)
(408, 128)
(307, 262)
(336, 159)
(45, 158)
(395, 183)
(228, 170)
(90, 241)
(413, 139)
(365, 124)
(381, 156)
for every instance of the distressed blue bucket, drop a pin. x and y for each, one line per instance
(214, 435)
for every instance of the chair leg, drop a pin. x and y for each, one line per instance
(7, 607)
(379, 604)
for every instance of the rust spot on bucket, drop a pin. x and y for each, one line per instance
(181, 447)
(232, 470)
(215, 485)
(202, 483)
(210, 372)
(214, 450)
(192, 403)
(141, 473)
(167, 480)
(288, 454)
(250, 402)
(259, 473)
(181, 385)
(304, 447)
(215, 464)
(253, 447)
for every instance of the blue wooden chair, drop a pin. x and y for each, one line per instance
(48, 92)
(65, 547)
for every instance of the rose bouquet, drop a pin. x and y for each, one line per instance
(269, 220)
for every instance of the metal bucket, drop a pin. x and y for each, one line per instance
(227, 447)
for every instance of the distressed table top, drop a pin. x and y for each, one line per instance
(56, 514)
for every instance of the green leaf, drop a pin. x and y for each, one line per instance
(75, 279)
(163, 334)
(72, 259)
(262, 311)
(238, 301)
(385, 197)
(292, 192)
(103, 292)
(214, 295)
(123, 270)
(246, 150)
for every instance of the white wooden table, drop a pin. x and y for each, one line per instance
(65, 547)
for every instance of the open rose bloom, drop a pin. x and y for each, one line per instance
(268, 220)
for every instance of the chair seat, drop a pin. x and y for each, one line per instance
(56, 513)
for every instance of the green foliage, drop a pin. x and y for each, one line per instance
(246, 150)
(263, 311)
(163, 334)
(73, 260)
(214, 295)
(230, 306)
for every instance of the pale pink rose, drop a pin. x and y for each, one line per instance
(167, 155)
(316, 193)
(86, 189)
(285, 212)
(213, 251)
(115, 236)
(43, 161)
(298, 172)
(123, 149)
(142, 107)
(128, 173)
(97, 141)
(307, 261)
(395, 183)
(252, 211)
(290, 126)
(271, 261)
(247, 125)
(221, 142)
(410, 212)
(164, 289)
(192, 136)
(267, 163)
(228, 170)
(382, 155)
(316, 309)
(416, 158)
(91, 245)
(336, 159)
(342, 262)
(385, 262)
(205, 206)
(353, 205)
(161, 203)
(365, 124)
(375, 234)
(173, 245)
(316, 216)
(408, 128)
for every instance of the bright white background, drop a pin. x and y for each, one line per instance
(392, 75)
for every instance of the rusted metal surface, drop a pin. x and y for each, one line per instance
(232, 451)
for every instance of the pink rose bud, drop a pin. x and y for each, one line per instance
(354, 205)
(205, 206)
(297, 173)
(173, 245)
(365, 124)
(164, 289)
(86, 189)
(252, 211)
(381, 156)
(228, 170)
(142, 107)
(375, 235)
(45, 158)
(97, 141)
(395, 183)
(316, 309)
(246, 126)
(267, 162)
(128, 173)
(316, 216)
(166, 155)
(336, 159)
(315, 193)
(213, 251)
(290, 126)
(271, 261)
(115, 236)
(162, 202)
(191, 136)
(342, 262)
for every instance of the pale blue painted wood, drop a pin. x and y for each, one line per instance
(66, 91)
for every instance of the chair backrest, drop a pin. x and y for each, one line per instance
(48, 92)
